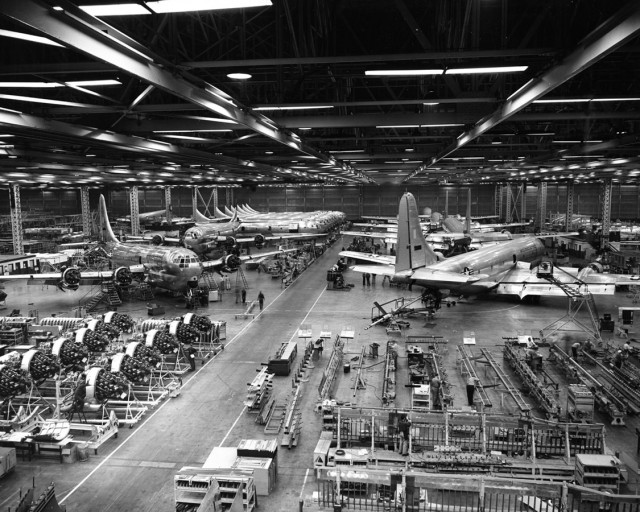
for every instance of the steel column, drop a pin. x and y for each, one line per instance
(134, 205)
(229, 192)
(446, 203)
(541, 206)
(606, 209)
(194, 201)
(569, 213)
(16, 219)
(86, 212)
(508, 217)
(167, 203)
(214, 195)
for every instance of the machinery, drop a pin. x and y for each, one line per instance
(335, 281)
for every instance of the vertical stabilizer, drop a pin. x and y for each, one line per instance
(105, 227)
(198, 217)
(412, 251)
(467, 221)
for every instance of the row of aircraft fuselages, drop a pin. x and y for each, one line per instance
(179, 268)
(95, 363)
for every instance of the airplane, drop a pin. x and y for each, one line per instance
(514, 267)
(171, 268)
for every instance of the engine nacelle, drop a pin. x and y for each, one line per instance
(231, 263)
(157, 239)
(70, 278)
(259, 240)
(122, 276)
(230, 241)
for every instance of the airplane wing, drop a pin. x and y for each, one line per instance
(370, 258)
(379, 270)
(371, 234)
(71, 278)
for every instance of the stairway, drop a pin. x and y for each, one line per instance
(240, 274)
(209, 280)
(569, 290)
(93, 302)
(109, 288)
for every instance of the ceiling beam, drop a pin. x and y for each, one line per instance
(76, 29)
(604, 40)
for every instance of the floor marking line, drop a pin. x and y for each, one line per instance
(133, 434)
(304, 482)
(308, 313)
(233, 426)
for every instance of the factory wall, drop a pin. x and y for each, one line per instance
(355, 201)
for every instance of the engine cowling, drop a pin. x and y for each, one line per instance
(230, 241)
(71, 278)
(259, 240)
(122, 276)
(157, 239)
(231, 263)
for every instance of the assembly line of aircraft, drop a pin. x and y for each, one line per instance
(510, 268)
(171, 268)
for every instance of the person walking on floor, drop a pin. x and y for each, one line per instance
(261, 300)
(244, 296)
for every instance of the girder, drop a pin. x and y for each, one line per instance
(86, 212)
(134, 205)
(605, 39)
(16, 219)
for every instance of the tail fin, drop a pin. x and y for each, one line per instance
(467, 222)
(413, 251)
(199, 217)
(105, 227)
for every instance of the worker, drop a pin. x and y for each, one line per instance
(190, 353)
(574, 349)
(261, 299)
(244, 296)
(471, 388)
(618, 358)
(435, 392)
(588, 346)
(626, 349)
(368, 276)
(237, 294)
(528, 356)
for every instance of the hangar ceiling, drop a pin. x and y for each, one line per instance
(340, 92)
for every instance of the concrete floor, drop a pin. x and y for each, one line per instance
(135, 471)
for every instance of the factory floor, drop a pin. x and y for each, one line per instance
(135, 471)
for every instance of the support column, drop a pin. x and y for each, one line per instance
(498, 201)
(86, 213)
(508, 217)
(360, 201)
(134, 205)
(568, 219)
(541, 206)
(167, 203)
(16, 219)
(230, 197)
(214, 194)
(194, 202)
(523, 203)
(606, 210)
(446, 203)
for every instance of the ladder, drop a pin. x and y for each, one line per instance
(210, 281)
(467, 370)
(240, 274)
(506, 381)
(93, 302)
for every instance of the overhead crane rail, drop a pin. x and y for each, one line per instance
(506, 382)
(467, 370)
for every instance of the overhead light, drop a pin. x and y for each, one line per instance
(51, 85)
(239, 76)
(487, 70)
(563, 100)
(615, 99)
(115, 10)
(28, 37)
(188, 137)
(348, 151)
(540, 134)
(293, 107)
(304, 129)
(268, 152)
(5, 136)
(441, 125)
(212, 119)
(166, 6)
(403, 72)
(191, 131)
(44, 100)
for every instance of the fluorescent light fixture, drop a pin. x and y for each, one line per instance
(166, 6)
(28, 37)
(5, 136)
(51, 85)
(564, 100)
(114, 10)
(566, 141)
(212, 119)
(44, 100)
(403, 72)
(239, 76)
(186, 137)
(294, 107)
(191, 131)
(540, 134)
(431, 104)
(487, 70)
(304, 129)
(348, 151)
(615, 99)
(443, 125)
